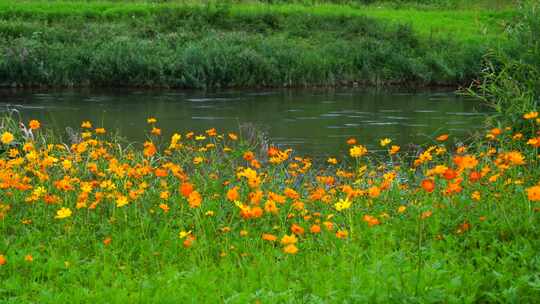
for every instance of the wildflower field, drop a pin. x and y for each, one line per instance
(212, 216)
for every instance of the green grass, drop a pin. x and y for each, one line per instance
(247, 44)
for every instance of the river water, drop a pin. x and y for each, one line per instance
(314, 122)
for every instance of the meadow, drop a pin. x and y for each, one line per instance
(246, 44)
(212, 216)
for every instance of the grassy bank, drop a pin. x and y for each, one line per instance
(187, 45)
(212, 217)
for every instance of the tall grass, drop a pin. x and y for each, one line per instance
(198, 46)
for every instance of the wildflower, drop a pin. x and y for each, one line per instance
(384, 142)
(442, 137)
(290, 249)
(530, 115)
(197, 160)
(332, 161)
(6, 138)
(156, 131)
(164, 207)
(232, 194)
(428, 185)
(209, 213)
(315, 229)
(29, 258)
(370, 220)
(86, 125)
(194, 199)
(121, 201)
(3, 260)
(358, 151)
(426, 214)
(296, 229)
(63, 213)
(341, 234)
(233, 136)
(289, 239)
(149, 149)
(394, 149)
(269, 237)
(244, 233)
(351, 141)
(533, 193)
(34, 124)
(151, 120)
(188, 242)
(374, 191)
(182, 234)
(186, 189)
(476, 195)
(107, 241)
(449, 174)
(401, 209)
(100, 131)
(343, 204)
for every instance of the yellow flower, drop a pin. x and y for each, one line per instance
(401, 209)
(86, 125)
(151, 120)
(332, 161)
(384, 142)
(184, 234)
(7, 138)
(289, 239)
(197, 160)
(121, 201)
(343, 204)
(63, 213)
(358, 151)
(290, 249)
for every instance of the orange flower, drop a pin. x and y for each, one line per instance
(249, 156)
(533, 193)
(442, 137)
(358, 151)
(194, 199)
(296, 229)
(341, 234)
(351, 141)
(474, 176)
(107, 241)
(233, 136)
(188, 242)
(34, 124)
(232, 194)
(29, 258)
(428, 185)
(149, 149)
(269, 237)
(449, 174)
(3, 260)
(371, 220)
(186, 189)
(315, 229)
(164, 207)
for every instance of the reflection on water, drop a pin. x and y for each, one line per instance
(314, 122)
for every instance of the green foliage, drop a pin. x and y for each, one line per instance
(511, 80)
(204, 46)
